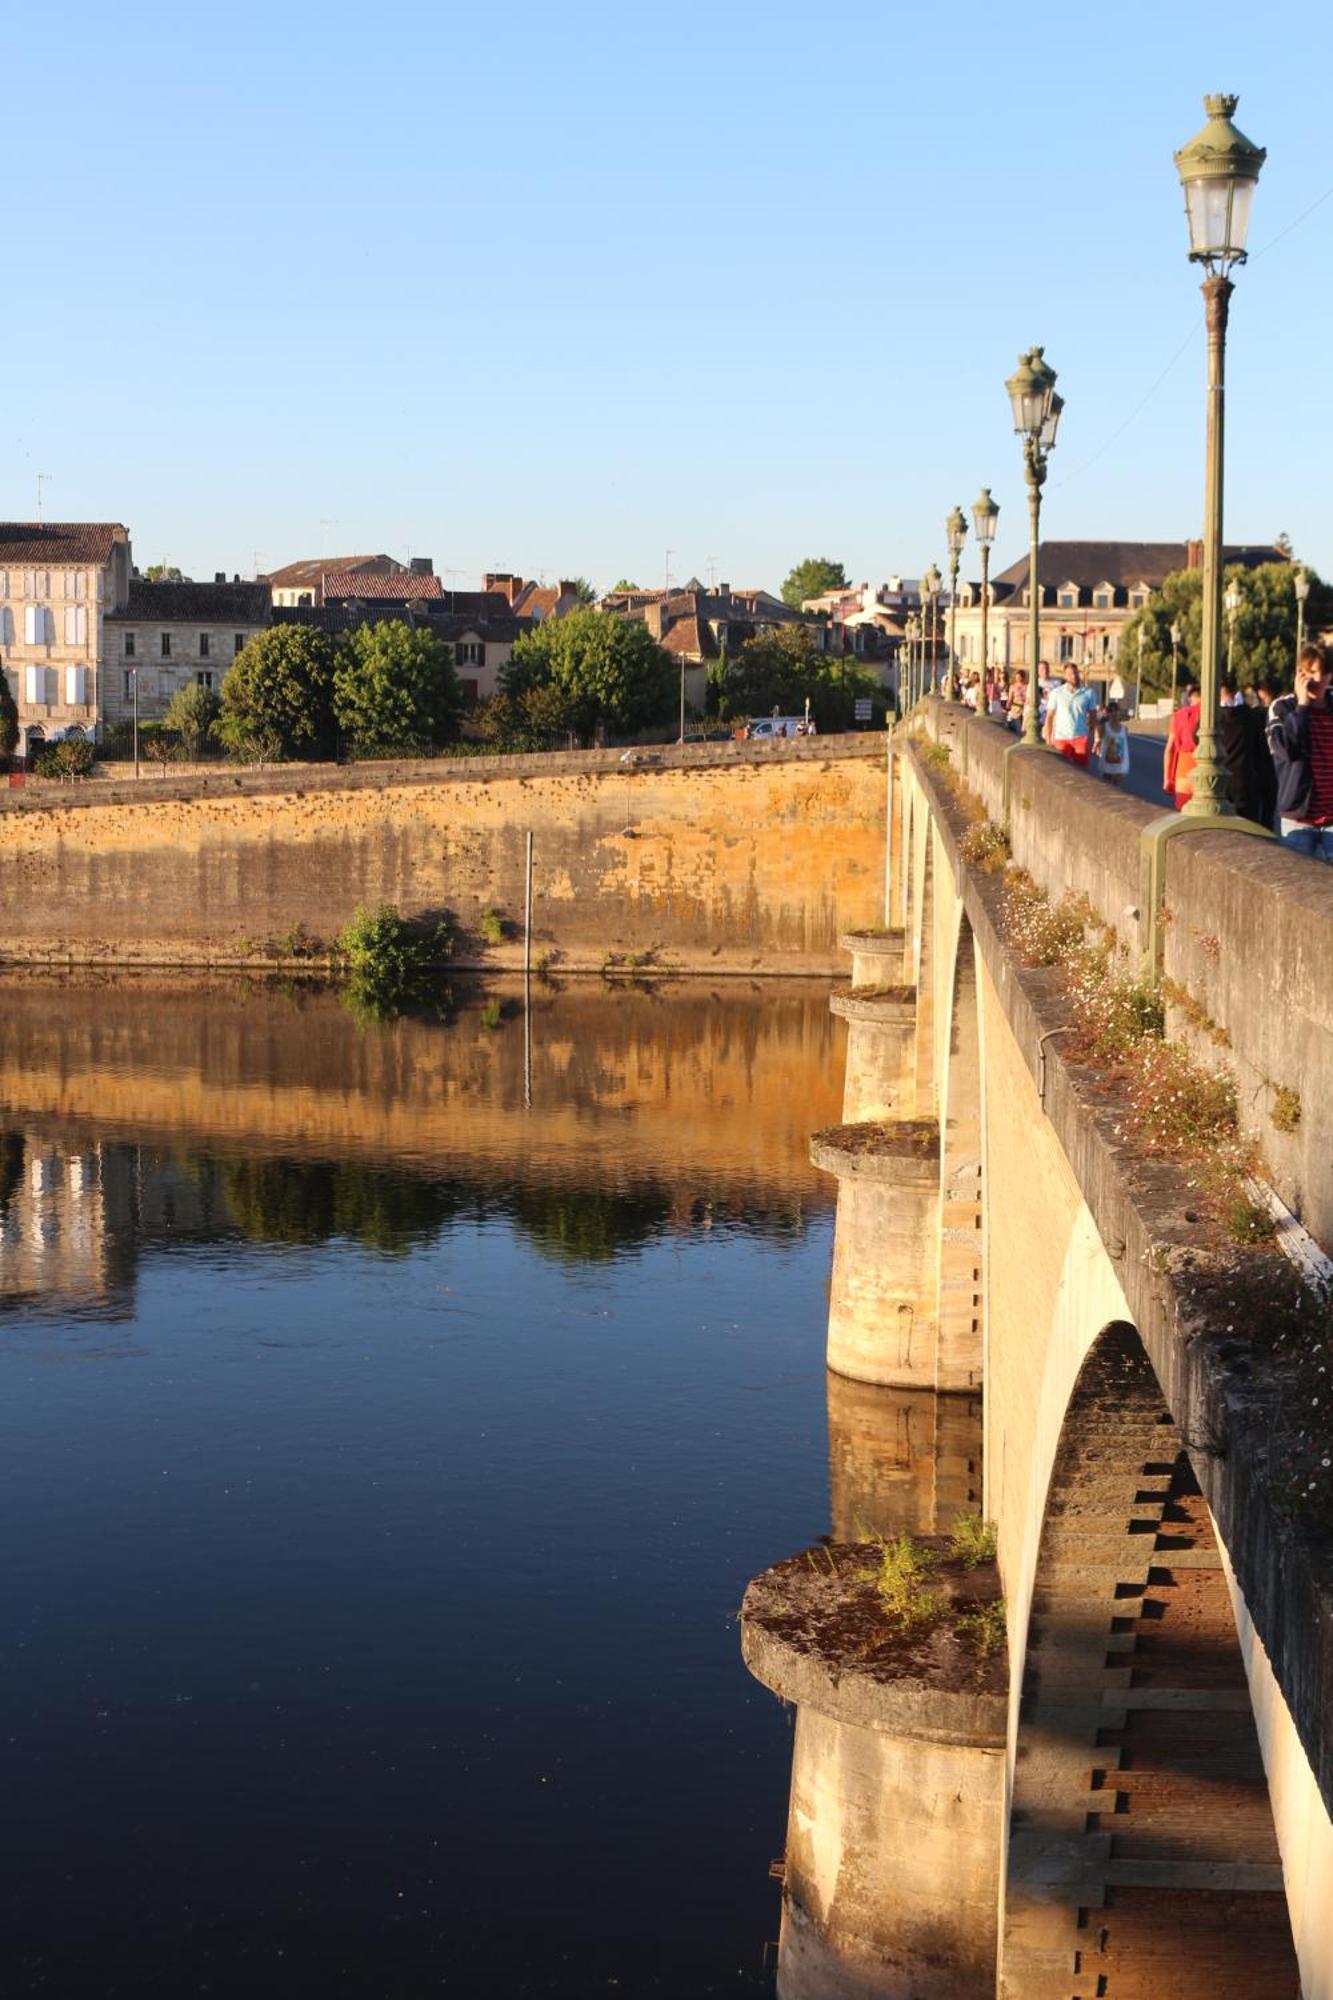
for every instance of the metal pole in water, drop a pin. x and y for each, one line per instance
(888, 827)
(527, 913)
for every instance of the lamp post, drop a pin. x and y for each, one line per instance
(955, 529)
(985, 519)
(1138, 684)
(1175, 650)
(930, 594)
(1302, 592)
(134, 683)
(1232, 603)
(1218, 169)
(1036, 408)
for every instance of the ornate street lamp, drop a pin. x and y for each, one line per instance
(1302, 592)
(955, 529)
(930, 599)
(1218, 172)
(1036, 409)
(1231, 601)
(1176, 636)
(985, 519)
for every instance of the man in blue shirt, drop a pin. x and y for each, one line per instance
(1071, 717)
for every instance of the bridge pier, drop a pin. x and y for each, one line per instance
(891, 1874)
(882, 1320)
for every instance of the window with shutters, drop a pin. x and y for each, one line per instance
(203, 680)
(76, 625)
(4, 583)
(34, 625)
(237, 641)
(470, 652)
(80, 583)
(129, 683)
(41, 690)
(76, 686)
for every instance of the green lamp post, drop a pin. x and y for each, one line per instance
(955, 529)
(1231, 602)
(930, 599)
(1302, 592)
(985, 520)
(1036, 408)
(1219, 170)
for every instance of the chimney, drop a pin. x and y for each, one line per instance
(654, 616)
(509, 586)
(219, 576)
(422, 565)
(724, 592)
(1194, 555)
(566, 588)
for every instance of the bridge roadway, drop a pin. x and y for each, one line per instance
(1161, 1824)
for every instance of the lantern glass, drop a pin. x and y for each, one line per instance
(985, 518)
(956, 530)
(1051, 422)
(1302, 585)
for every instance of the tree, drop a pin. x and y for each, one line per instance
(624, 587)
(395, 691)
(583, 590)
(539, 718)
(9, 718)
(812, 578)
(778, 670)
(610, 670)
(1263, 644)
(192, 714)
(277, 697)
(164, 573)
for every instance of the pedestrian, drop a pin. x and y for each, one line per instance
(1300, 736)
(1182, 747)
(1240, 740)
(1071, 717)
(1018, 699)
(1113, 745)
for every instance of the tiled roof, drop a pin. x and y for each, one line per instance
(1121, 564)
(59, 541)
(368, 585)
(310, 569)
(206, 603)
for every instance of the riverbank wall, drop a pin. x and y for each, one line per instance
(719, 857)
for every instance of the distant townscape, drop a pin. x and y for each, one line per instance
(107, 661)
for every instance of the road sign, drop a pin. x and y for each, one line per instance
(864, 710)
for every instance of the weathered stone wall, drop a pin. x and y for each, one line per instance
(732, 857)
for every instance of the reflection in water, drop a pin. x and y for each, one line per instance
(369, 1624)
(901, 1461)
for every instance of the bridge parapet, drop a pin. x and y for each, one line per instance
(1247, 962)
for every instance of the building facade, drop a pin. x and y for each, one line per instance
(59, 582)
(167, 636)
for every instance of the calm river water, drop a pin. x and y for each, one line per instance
(390, 1419)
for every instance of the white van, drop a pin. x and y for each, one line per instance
(774, 725)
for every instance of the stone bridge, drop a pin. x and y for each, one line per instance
(1049, 1301)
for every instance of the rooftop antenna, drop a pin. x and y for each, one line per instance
(666, 570)
(41, 478)
(326, 522)
(711, 567)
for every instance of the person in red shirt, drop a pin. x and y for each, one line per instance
(1182, 747)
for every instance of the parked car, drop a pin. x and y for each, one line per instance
(775, 725)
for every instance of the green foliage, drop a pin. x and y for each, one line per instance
(492, 926)
(1286, 1111)
(164, 573)
(9, 718)
(624, 585)
(193, 714)
(985, 1626)
(778, 670)
(609, 670)
(901, 1574)
(812, 578)
(589, 1225)
(540, 718)
(1263, 646)
(973, 1540)
(395, 691)
(73, 757)
(277, 697)
(390, 963)
(583, 590)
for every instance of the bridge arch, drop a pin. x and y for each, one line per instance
(1142, 1856)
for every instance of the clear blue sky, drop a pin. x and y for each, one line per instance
(556, 288)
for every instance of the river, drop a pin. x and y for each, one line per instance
(391, 1416)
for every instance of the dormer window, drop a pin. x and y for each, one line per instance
(1138, 597)
(1103, 597)
(1068, 597)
